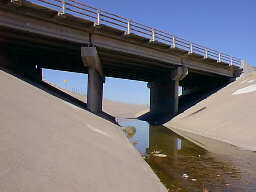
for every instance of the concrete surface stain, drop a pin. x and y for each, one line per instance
(244, 90)
(250, 81)
(198, 111)
(72, 105)
(97, 130)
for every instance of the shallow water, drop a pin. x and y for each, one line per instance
(186, 167)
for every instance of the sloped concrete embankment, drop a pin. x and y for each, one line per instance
(48, 144)
(227, 115)
(114, 108)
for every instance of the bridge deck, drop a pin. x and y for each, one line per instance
(39, 31)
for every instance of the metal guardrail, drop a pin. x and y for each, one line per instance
(99, 16)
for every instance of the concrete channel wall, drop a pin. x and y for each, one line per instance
(48, 144)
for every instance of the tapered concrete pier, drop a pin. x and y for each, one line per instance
(94, 91)
(96, 78)
(163, 96)
(164, 99)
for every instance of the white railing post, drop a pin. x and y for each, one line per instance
(63, 7)
(153, 35)
(173, 41)
(206, 54)
(190, 48)
(219, 58)
(128, 27)
(98, 17)
(231, 61)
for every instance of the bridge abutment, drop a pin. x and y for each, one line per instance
(96, 78)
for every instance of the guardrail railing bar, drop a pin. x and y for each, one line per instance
(81, 8)
(83, 4)
(77, 6)
(50, 3)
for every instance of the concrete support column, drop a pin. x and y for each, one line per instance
(96, 78)
(94, 91)
(246, 68)
(164, 96)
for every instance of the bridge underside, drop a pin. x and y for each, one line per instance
(27, 50)
(34, 36)
(62, 55)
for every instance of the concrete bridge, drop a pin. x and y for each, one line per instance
(72, 36)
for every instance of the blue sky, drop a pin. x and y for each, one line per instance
(228, 26)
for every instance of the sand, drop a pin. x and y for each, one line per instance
(48, 144)
(228, 115)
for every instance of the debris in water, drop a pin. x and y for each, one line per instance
(185, 176)
(130, 131)
(160, 155)
(155, 152)
(193, 179)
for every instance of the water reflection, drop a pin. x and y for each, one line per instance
(182, 165)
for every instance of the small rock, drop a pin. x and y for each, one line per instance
(155, 152)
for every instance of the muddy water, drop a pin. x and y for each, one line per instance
(186, 167)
